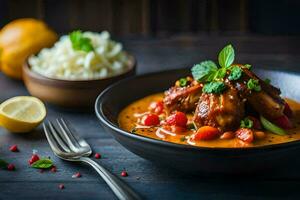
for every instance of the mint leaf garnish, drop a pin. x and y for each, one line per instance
(203, 70)
(79, 42)
(235, 74)
(246, 123)
(44, 163)
(214, 87)
(226, 56)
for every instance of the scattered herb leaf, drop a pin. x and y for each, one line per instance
(203, 70)
(214, 87)
(220, 73)
(226, 56)
(182, 139)
(3, 164)
(43, 163)
(235, 74)
(253, 84)
(133, 130)
(79, 42)
(191, 126)
(183, 82)
(247, 66)
(246, 123)
(268, 81)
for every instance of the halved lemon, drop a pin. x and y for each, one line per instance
(22, 114)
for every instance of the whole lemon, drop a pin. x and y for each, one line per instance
(18, 40)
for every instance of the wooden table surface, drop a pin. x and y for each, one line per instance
(151, 181)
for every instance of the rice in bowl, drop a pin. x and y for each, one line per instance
(69, 59)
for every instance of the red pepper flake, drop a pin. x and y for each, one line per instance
(76, 175)
(61, 186)
(97, 155)
(11, 167)
(124, 173)
(53, 169)
(14, 148)
(33, 159)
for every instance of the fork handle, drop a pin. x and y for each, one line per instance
(121, 190)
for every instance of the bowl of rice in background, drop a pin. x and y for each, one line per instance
(77, 68)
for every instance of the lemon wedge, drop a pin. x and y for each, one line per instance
(22, 114)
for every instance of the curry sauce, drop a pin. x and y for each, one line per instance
(128, 121)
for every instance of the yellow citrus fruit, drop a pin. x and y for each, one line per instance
(20, 39)
(22, 113)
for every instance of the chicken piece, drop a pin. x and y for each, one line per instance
(183, 98)
(267, 102)
(223, 111)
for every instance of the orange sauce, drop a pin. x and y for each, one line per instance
(127, 121)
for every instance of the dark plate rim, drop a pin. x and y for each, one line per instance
(100, 115)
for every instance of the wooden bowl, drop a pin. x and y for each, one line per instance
(70, 93)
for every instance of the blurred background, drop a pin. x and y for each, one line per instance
(161, 18)
(165, 34)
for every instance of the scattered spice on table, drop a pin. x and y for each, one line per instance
(14, 148)
(76, 175)
(11, 167)
(97, 155)
(33, 159)
(53, 169)
(124, 173)
(61, 186)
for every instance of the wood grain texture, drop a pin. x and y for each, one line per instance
(150, 180)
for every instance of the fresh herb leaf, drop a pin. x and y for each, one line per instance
(133, 130)
(253, 84)
(43, 163)
(204, 70)
(247, 66)
(182, 139)
(214, 87)
(226, 56)
(220, 74)
(235, 74)
(183, 82)
(268, 81)
(79, 42)
(246, 123)
(191, 126)
(3, 164)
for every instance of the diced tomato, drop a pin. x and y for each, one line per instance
(150, 120)
(245, 135)
(156, 107)
(206, 133)
(287, 110)
(177, 119)
(284, 122)
(178, 129)
(227, 135)
(256, 123)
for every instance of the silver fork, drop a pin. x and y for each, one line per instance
(67, 147)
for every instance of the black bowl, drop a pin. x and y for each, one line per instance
(185, 157)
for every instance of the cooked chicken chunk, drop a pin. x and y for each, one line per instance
(183, 98)
(267, 102)
(223, 111)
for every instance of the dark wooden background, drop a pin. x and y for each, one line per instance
(160, 17)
